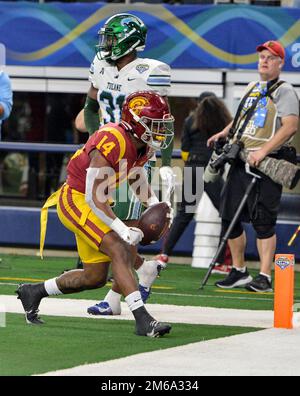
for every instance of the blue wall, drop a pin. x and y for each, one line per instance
(21, 227)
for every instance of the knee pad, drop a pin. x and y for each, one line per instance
(264, 231)
(236, 232)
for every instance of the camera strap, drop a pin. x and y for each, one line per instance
(249, 112)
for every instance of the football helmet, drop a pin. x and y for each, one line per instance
(121, 34)
(148, 116)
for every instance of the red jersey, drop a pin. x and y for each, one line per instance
(116, 146)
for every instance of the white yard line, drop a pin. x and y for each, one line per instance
(265, 353)
(166, 313)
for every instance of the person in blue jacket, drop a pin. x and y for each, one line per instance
(6, 97)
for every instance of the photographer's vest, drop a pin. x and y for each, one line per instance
(263, 124)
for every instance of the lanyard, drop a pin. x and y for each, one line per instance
(249, 112)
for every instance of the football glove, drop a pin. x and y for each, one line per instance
(168, 178)
(131, 235)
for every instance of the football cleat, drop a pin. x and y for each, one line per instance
(154, 329)
(260, 284)
(145, 293)
(102, 308)
(30, 299)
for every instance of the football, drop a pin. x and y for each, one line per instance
(154, 223)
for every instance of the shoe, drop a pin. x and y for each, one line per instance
(102, 308)
(30, 299)
(145, 293)
(260, 284)
(162, 261)
(222, 269)
(235, 279)
(153, 329)
(148, 272)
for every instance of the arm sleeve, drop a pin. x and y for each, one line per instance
(166, 155)
(6, 96)
(91, 115)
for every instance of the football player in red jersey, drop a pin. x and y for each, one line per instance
(83, 207)
(116, 72)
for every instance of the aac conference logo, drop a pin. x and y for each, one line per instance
(296, 55)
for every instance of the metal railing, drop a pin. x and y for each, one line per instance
(41, 170)
(53, 148)
(32, 171)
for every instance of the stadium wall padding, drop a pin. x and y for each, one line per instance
(20, 227)
(188, 36)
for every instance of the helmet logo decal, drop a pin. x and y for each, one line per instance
(142, 68)
(126, 21)
(137, 104)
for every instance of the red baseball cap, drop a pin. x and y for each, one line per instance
(274, 47)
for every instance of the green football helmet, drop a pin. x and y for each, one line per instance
(121, 34)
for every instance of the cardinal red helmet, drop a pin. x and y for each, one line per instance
(148, 115)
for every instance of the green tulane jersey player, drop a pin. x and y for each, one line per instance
(116, 72)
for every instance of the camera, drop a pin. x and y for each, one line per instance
(223, 153)
(226, 153)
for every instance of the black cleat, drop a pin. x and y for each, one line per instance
(30, 299)
(153, 329)
(260, 284)
(235, 279)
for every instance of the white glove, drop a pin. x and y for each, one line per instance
(153, 200)
(168, 176)
(130, 235)
(171, 214)
(169, 180)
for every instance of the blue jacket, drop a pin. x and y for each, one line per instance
(6, 97)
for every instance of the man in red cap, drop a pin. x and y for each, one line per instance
(269, 129)
(271, 60)
(274, 47)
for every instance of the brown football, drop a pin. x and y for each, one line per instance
(154, 223)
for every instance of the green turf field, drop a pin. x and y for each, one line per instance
(68, 342)
(178, 285)
(65, 342)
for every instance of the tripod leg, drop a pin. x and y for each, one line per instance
(228, 232)
(214, 261)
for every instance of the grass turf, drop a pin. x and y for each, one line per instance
(68, 342)
(178, 285)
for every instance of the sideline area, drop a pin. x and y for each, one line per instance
(167, 313)
(269, 352)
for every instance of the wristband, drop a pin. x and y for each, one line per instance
(118, 226)
(153, 200)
